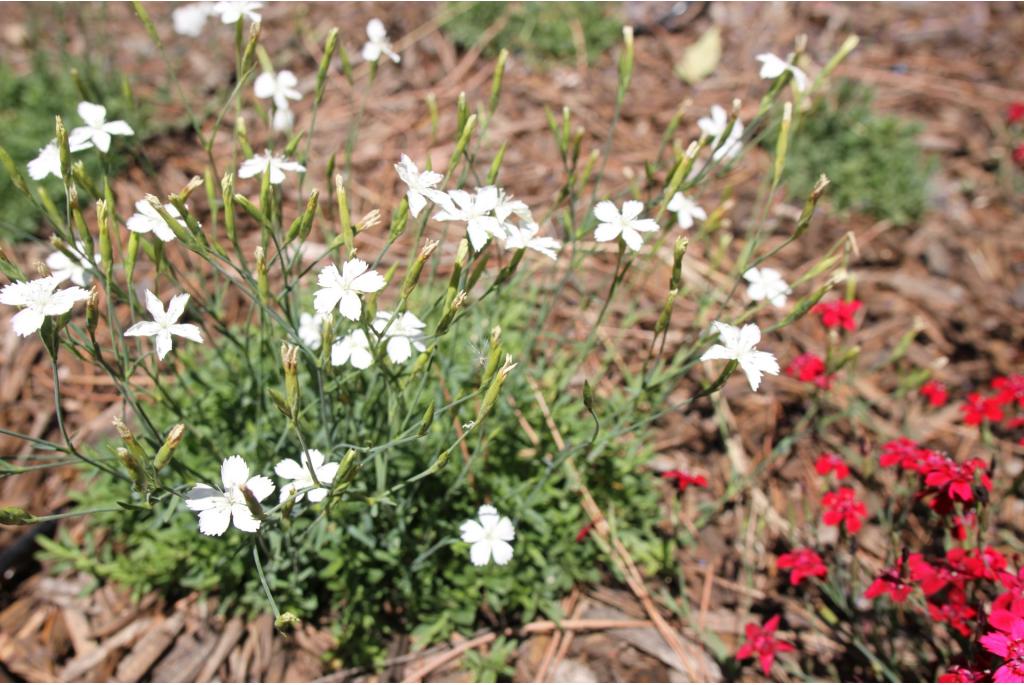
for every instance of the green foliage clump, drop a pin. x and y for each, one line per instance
(378, 547)
(28, 104)
(874, 161)
(539, 30)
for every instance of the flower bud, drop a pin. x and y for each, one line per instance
(131, 256)
(344, 218)
(499, 73)
(13, 172)
(227, 191)
(15, 516)
(287, 619)
(812, 202)
(262, 284)
(427, 421)
(666, 312)
(103, 216)
(289, 360)
(250, 46)
(626, 61)
(92, 311)
(131, 462)
(413, 275)
(252, 503)
(64, 148)
(171, 443)
(330, 45)
(678, 251)
(491, 396)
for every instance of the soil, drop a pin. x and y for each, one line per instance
(957, 274)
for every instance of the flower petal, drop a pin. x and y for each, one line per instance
(214, 521)
(233, 472)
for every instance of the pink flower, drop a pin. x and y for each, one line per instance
(762, 642)
(1015, 112)
(963, 674)
(1011, 388)
(902, 452)
(838, 314)
(1008, 645)
(955, 612)
(843, 507)
(935, 392)
(828, 462)
(685, 480)
(804, 563)
(956, 481)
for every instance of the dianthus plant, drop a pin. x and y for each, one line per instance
(324, 412)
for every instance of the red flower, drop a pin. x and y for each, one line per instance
(955, 613)
(1015, 112)
(831, 462)
(890, 583)
(804, 563)
(762, 642)
(936, 393)
(1008, 645)
(685, 480)
(810, 368)
(584, 532)
(842, 506)
(978, 408)
(956, 481)
(903, 452)
(962, 674)
(961, 524)
(838, 313)
(1011, 389)
(933, 578)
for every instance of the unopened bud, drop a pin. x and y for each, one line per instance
(413, 275)
(287, 620)
(678, 252)
(92, 311)
(251, 502)
(427, 421)
(262, 284)
(491, 396)
(64, 149)
(666, 312)
(131, 462)
(289, 360)
(163, 456)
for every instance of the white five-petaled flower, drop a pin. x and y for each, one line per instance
(146, 220)
(738, 344)
(476, 210)
(353, 349)
(231, 11)
(47, 162)
(310, 329)
(625, 223)
(378, 43)
(219, 508)
(97, 129)
(715, 126)
(280, 87)
(773, 67)
(301, 480)
(190, 18)
(421, 185)
(766, 284)
(489, 537)
(40, 299)
(341, 289)
(165, 323)
(75, 270)
(519, 237)
(508, 206)
(686, 210)
(278, 164)
(404, 334)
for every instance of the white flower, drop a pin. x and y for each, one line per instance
(341, 289)
(489, 537)
(190, 18)
(508, 206)
(421, 185)
(404, 334)
(475, 210)
(773, 67)
(520, 237)
(219, 508)
(686, 210)
(64, 267)
(378, 43)
(279, 86)
(766, 284)
(300, 479)
(146, 219)
(278, 164)
(39, 301)
(165, 324)
(284, 119)
(738, 344)
(47, 162)
(625, 223)
(97, 129)
(231, 11)
(310, 329)
(354, 348)
(715, 126)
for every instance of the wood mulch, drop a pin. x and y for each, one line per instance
(957, 275)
